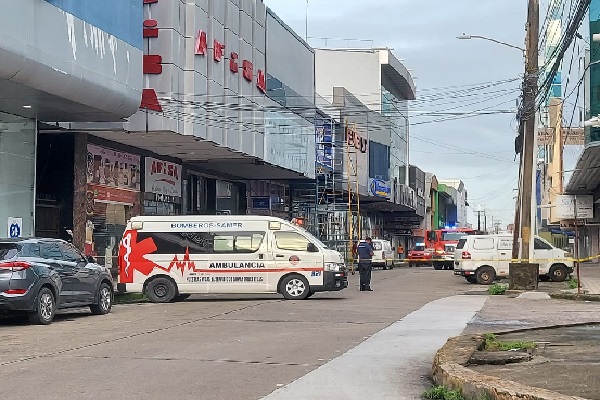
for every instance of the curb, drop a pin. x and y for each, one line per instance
(449, 370)
(130, 298)
(575, 296)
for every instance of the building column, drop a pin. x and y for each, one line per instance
(79, 192)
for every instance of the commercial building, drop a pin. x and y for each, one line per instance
(60, 62)
(371, 89)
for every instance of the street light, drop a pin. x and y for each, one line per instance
(464, 36)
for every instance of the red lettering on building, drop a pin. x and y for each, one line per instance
(261, 82)
(150, 28)
(248, 72)
(164, 168)
(152, 64)
(218, 50)
(354, 139)
(150, 100)
(201, 44)
(233, 64)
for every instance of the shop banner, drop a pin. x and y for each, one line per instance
(324, 142)
(162, 177)
(104, 194)
(380, 188)
(112, 168)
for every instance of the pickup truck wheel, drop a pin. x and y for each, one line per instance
(471, 279)
(437, 266)
(486, 275)
(558, 273)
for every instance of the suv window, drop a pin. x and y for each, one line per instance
(377, 246)
(541, 245)
(291, 241)
(8, 251)
(31, 250)
(461, 243)
(70, 253)
(484, 244)
(50, 251)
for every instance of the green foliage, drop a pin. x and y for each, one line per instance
(442, 393)
(496, 289)
(572, 282)
(493, 344)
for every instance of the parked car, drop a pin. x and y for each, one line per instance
(39, 276)
(481, 259)
(383, 254)
(419, 255)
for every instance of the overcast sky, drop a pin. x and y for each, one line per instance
(478, 150)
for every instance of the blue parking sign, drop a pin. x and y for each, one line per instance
(15, 227)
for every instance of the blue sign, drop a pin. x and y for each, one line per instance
(261, 203)
(324, 145)
(15, 227)
(380, 188)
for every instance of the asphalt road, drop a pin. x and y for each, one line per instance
(208, 347)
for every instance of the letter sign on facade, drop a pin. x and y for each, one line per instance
(150, 28)
(201, 44)
(233, 63)
(152, 64)
(248, 70)
(261, 83)
(218, 50)
(354, 139)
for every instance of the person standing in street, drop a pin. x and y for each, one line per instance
(365, 254)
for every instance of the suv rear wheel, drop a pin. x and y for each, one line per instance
(45, 306)
(486, 275)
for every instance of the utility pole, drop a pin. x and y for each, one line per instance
(528, 114)
(479, 220)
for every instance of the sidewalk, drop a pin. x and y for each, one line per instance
(590, 277)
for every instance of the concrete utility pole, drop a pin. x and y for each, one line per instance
(520, 272)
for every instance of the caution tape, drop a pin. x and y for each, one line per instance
(520, 260)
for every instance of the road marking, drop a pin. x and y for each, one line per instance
(392, 363)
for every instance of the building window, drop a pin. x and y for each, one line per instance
(379, 161)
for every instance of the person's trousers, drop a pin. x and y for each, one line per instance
(364, 270)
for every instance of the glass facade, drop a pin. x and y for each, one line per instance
(397, 110)
(17, 177)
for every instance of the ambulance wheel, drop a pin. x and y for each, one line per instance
(485, 275)
(161, 290)
(294, 287)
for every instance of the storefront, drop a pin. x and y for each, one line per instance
(112, 198)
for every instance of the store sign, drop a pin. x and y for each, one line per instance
(152, 63)
(103, 194)
(380, 188)
(324, 143)
(353, 138)
(566, 205)
(162, 177)
(112, 168)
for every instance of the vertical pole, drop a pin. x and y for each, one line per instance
(528, 114)
(306, 24)
(576, 247)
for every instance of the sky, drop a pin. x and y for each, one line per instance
(451, 76)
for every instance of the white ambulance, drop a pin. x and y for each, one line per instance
(169, 258)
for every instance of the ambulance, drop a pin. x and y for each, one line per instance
(170, 258)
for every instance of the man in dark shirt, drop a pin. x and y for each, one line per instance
(365, 253)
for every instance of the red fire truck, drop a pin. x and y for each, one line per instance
(443, 243)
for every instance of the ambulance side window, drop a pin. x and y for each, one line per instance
(238, 242)
(291, 241)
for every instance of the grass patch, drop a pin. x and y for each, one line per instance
(496, 289)
(572, 282)
(442, 393)
(124, 298)
(493, 344)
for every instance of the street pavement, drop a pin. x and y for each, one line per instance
(245, 347)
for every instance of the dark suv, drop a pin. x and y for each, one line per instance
(39, 276)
